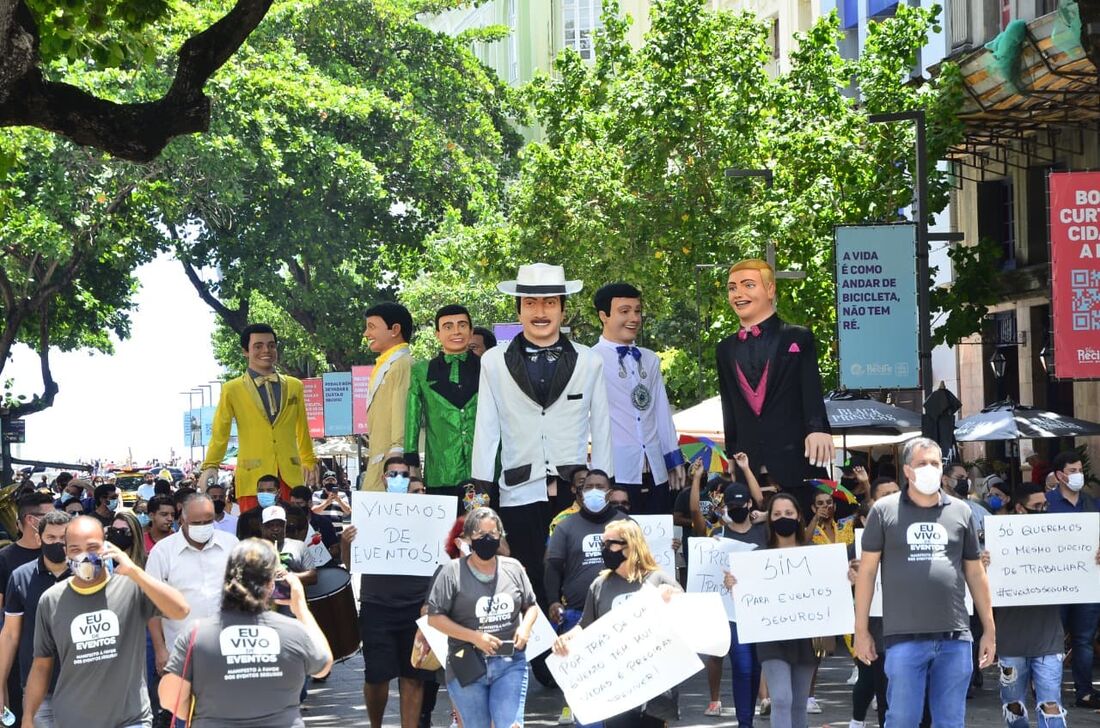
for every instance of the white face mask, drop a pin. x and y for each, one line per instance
(463, 548)
(928, 478)
(1075, 481)
(201, 534)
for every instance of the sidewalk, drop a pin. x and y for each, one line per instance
(339, 702)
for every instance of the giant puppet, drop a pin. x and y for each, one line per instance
(772, 405)
(388, 332)
(272, 429)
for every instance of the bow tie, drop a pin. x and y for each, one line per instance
(744, 333)
(549, 353)
(455, 360)
(631, 350)
(265, 378)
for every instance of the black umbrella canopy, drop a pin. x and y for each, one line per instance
(866, 416)
(1010, 421)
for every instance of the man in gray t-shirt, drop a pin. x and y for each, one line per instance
(927, 545)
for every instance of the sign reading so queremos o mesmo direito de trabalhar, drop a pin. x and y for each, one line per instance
(1043, 559)
(658, 532)
(708, 560)
(399, 533)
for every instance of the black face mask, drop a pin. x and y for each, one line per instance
(738, 515)
(485, 547)
(612, 559)
(219, 507)
(962, 487)
(785, 526)
(119, 537)
(1035, 511)
(54, 552)
(623, 508)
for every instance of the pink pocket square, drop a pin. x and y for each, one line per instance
(794, 349)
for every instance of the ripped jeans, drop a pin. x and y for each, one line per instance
(1045, 675)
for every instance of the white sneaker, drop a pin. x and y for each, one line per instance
(811, 706)
(714, 709)
(854, 677)
(874, 705)
(566, 717)
(856, 723)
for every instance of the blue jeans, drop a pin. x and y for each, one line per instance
(495, 698)
(942, 667)
(570, 618)
(1080, 622)
(745, 675)
(1045, 675)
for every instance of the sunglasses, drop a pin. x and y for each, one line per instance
(614, 542)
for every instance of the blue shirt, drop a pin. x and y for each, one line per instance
(25, 588)
(1057, 503)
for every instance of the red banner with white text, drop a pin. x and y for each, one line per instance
(1075, 273)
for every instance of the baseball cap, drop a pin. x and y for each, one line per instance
(328, 474)
(736, 495)
(273, 513)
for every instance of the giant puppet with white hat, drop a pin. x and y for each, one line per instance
(541, 400)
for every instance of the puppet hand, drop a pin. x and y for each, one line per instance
(819, 449)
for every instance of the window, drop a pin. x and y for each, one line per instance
(513, 42)
(996, 220)
(580, 20)
(773, 36)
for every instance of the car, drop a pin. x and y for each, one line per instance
(128, 480)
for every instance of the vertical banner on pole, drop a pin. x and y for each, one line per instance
(1075, 273)
(206, 419)
(360, 381)
(315, 405)
(337, 387)
(876, 299)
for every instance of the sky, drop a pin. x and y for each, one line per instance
(110, 406)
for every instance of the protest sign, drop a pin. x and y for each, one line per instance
(1043, 559)
(876, 597)
(790, 593)
(658, 534)
(708, 560)
(701, 621)
(542, 638)
(399, 533)
(624, 658)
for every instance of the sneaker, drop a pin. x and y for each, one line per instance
(811, 706)
(1092, 700)
(854, 677)
(853, 723)
(566, 717)
(765, 708)
(714, 709)
(874, 704)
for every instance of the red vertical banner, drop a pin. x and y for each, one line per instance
(360, 382)
(315, 406)
(1075, 273)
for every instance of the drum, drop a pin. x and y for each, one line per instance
(333, 606)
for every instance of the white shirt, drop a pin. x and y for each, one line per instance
(228, 523)
(198, 575)
(638, 435)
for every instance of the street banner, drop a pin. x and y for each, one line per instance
(360, 383)
(876, 300)
(542, 638)
(1043, 559)
(790, 593)
(314, 390)
(338, 419)
(206, 419)
(876, 597)
(625, 658)
(506, 332)
(400, 533)
(658, 535)
(1075, 273)
(708, 560)
(192, 428)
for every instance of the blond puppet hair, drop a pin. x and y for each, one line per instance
(639, 559)
(767, 274)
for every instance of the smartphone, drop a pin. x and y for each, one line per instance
(506, 649)
(281, 591)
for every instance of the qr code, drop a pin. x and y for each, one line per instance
(1085, 306)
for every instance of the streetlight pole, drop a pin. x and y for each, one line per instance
(920, 216)
(202, 403)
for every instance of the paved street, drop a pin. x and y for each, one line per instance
(339, 702)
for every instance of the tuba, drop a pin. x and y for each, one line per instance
(9, 513)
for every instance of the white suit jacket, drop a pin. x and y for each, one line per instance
(536, 440)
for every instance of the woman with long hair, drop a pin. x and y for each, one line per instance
(787, 665)
(246, 665)
(126, 533)
(630, 566)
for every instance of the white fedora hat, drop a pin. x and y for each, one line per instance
(540, 280)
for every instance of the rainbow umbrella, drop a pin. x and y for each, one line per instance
(705, 449)
(838, 491)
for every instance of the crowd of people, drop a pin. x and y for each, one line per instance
(197, 594)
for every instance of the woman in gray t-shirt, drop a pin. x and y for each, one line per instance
(246, 665)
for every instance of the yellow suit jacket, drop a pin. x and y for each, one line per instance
(386, 421)
(281, 448)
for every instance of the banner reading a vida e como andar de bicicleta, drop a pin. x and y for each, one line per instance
(1075, 273)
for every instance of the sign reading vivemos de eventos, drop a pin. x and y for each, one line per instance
(1043, 559)
(876, 298)
(1075, 273)
(399, 533)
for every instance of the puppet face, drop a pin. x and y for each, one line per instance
(262, 353)
(381, 337)
(541, 319)
(625, 320)
(454, 333)
(750, 298)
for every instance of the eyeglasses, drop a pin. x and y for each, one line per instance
(614, 542)
(396, 473)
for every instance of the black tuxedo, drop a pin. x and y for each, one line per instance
(793, 402)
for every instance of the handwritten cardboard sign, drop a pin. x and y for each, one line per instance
(400, 534)
(542, 638)
(1043, 559)
(708, 560)
(790, 593)
(659, 534)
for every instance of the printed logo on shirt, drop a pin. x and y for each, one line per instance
(255, 647)
(494, 610)
(590, 547)
(927, 542)
(95, 636)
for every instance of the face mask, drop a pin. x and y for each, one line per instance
(1036, 511)
(202, 533)
(219, 507)
(463, 548)
(962, 487)
(739, 515)
(397, 484)
(486, 547)
(266, 500)
(120, 538)
(112, 505)
(54, 552)
(66, 497)
(594, 500)
(612, 559)
(143, 520)
(928, 479)
(86, 567)
(1075, 481)
(785, 526)
(623, 508)
(995, 502)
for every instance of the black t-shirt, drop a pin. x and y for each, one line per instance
(12, 557)
(25, 588)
